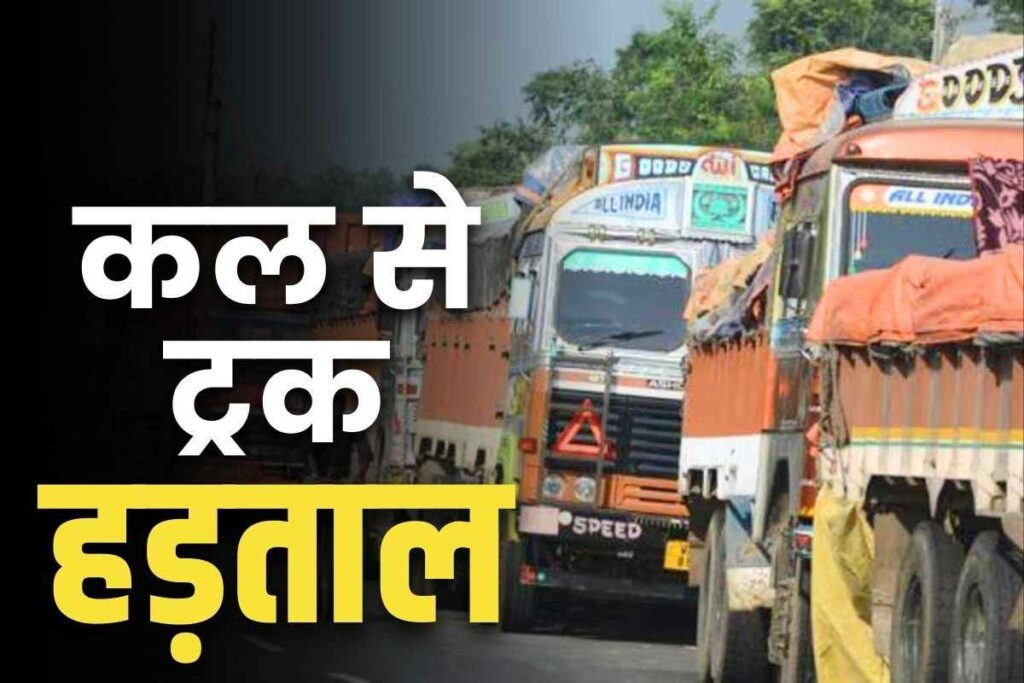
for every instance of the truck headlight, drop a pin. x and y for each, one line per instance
(585, 489)
(553, 486)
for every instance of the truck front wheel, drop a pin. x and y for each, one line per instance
(731, 645)
(986, 642)
(924, 605)
(518, 601)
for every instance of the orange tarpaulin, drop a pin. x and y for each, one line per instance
(924, 300)
(805, 94)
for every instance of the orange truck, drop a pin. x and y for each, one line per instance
(566, 377)
(927, 465)
(923, 428)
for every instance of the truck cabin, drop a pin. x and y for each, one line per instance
(870, 197)
(603, 288)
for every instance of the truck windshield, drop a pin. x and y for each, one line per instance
(622, 299)
(886, 223)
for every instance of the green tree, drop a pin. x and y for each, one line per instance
(499, 155)
(679, 84)
(574, 103)
(682, 84)
(1008, 15)
(784, 30)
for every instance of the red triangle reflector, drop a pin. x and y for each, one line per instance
(585, 416)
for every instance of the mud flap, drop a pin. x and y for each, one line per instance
(749, 588)
(748, 567)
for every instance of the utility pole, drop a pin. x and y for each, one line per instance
(947, 23)
(210, 124)
(940, 28)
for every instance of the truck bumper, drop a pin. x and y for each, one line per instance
(605, 554)
(609, 588)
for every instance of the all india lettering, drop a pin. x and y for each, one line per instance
(630, 203)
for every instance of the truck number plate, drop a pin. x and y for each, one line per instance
(677, 556)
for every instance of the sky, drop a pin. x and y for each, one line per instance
(399, 83)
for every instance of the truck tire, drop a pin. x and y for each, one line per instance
(798, 666)
(703, 611)
(704, 646)
(731, 645)
(518, 602)
(790, 629)
(985, 646)
(923, 606)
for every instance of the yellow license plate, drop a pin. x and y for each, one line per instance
(677, 556)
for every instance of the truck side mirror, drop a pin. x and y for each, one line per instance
(519, 297)
(797, 259)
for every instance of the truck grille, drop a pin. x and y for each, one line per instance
(645, 432)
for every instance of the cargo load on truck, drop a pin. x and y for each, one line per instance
(923, 300)
(815, 95)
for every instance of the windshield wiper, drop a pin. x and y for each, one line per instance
(618, 336)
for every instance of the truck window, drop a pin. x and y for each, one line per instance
(622, 299)
(885, 223)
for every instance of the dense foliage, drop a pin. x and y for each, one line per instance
(1008, 15)
(783, 30)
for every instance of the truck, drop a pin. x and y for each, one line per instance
(923, 429)
(758, 424)
(575, 389)
(564, 374)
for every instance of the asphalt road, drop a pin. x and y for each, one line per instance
(453, 650)
(591, 643)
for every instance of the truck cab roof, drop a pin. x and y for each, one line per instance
(913, 142)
